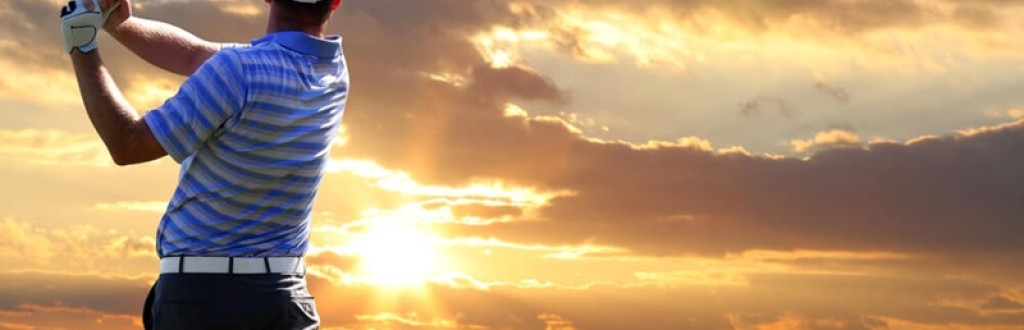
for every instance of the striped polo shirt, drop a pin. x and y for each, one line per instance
(252, 129)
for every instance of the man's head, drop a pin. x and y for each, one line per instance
(306, 12)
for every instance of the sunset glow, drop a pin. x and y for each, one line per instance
(396, 254)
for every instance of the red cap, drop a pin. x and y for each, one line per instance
(334, 5)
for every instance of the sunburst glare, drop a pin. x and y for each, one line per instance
(395, 253)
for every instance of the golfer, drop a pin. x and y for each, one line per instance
(252, 127)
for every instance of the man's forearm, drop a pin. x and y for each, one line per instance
(164, 45)
(122, 130)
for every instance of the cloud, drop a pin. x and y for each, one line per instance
(490, 192)
(904, 197)
(852, 17)
(134, 206)
(52, 299)
(24, 28)
(1000, 303)
(793, 321)
(53, 148)
(855, 300)
(977, 15)
(514, 82)
(969, 132)
(485, 211)
(839, 94)
(31, 316)
(836, 138)
(555, 322)
(588, 34)
(768, 299)
(761, 102)
(28, 83)
(39, 68)
(72, 248)
(786, 204)
(411, 320)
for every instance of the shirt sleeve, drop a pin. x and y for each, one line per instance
(211, 95)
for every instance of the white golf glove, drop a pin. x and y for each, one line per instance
(80, 21)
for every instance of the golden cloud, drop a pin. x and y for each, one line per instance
(488, 191)
(556, 322)
(982, 130)
(146, 92)
(76, 247)
(588, 34)
(53, 148)
(158, 207)
(826, 37)
(827, 139)
(393, 320)
(44, 85)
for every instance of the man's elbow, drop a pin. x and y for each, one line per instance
(123, 159)
(131, 156)
(137, 146)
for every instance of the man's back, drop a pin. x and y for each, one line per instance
(253, 133)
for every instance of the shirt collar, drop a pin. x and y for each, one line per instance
(304, 43)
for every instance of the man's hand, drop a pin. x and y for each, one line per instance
(80, 20)
(120, 11)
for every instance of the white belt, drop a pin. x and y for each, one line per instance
(232, 265)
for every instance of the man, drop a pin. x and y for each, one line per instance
(252, 127)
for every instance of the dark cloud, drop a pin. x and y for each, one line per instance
(112, 295)
(839, 94)
(947, 196)
(1000, 303)
(801, 322)
(978, 15)
(515, 82)
(33, 29)
(383, 38)
(763, 102)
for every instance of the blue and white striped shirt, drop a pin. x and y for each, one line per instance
(252, 129)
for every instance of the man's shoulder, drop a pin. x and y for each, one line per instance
(241, 52)
(226, 60)
(236, 53)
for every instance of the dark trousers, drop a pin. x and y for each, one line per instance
(215, 301)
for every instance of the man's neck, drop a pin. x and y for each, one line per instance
(276, 24)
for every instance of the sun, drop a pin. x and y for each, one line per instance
(396, 254)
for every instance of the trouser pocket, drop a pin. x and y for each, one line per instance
(302, 315)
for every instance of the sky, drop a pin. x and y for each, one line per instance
(577, 164)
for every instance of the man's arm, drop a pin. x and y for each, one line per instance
(126, 135)
(161, 44)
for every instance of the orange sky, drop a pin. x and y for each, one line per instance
(588, 164)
